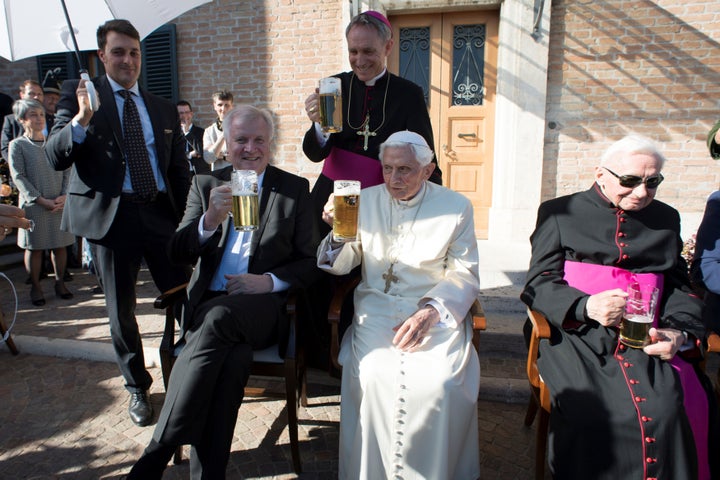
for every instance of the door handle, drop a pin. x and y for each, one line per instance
(465, 136)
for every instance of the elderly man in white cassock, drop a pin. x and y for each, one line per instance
(410, 375)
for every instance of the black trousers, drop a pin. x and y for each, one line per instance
(208, 380)
(139, 231)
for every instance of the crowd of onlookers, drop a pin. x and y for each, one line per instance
(28, 181)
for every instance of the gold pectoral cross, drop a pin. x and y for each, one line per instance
(366, 133)
(389, 278)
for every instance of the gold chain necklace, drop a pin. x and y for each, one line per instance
(390, 276)
(364, 128)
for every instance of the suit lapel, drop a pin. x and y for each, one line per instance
(224, 177)
(109, 109)
(267, 200)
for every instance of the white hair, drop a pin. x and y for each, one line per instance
(632, 144)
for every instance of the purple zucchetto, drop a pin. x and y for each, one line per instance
(379, 16)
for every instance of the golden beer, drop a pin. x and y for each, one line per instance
(330, 105)
(345, 217)
(634, 330)
(331, 113)
(245, 212)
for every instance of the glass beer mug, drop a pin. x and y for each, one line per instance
(346, 204)
(639, 313)
(330, 105)
(245, 210)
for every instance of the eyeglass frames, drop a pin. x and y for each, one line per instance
(632, 181)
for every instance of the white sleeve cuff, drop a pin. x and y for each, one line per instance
(320, 136)
(78, 131)
(446, 319)
(204, 235)
(278, 285)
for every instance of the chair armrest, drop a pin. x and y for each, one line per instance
(170, 297)
(713, 342)
(540, 330)
(342, 287)
(478, 316)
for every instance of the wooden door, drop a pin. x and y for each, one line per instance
(453, 56)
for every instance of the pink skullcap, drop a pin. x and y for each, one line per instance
(379, 16)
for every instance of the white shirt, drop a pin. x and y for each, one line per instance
(236, 256)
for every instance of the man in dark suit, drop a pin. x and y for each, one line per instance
(127, 190)
(194, 136)
(235, 296)
(11, 129)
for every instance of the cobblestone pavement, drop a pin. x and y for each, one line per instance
(66, 418)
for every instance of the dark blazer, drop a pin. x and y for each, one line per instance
(195, 139)
(284, 244)
(98, 164)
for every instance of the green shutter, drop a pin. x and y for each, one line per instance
(159, 72)
(65, 61)
(159, 66)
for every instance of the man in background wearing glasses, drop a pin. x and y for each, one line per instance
(619, 412)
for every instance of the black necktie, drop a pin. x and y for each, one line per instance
(141, 174)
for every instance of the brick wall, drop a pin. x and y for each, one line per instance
(620, 66)
(12, 74)
(268, 53)
(616, 66)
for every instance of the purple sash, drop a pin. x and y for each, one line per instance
(345, 165)
(592, 279)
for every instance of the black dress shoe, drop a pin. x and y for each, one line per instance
(140, 409)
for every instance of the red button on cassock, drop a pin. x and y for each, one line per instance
(649, 439)
(650, 460)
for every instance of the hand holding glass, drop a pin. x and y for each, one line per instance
(639, 313)
(346, 205)
(245, 210)
(330, 105)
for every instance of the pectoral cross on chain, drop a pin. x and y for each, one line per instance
(389, 278)
(366, 133)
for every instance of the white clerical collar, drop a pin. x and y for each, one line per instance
(116, 87)
(372, 81)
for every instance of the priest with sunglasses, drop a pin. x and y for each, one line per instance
(619, 412)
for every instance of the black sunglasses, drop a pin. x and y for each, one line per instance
(632, 181)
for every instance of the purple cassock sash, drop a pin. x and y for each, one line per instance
(592, 279)
(345, 165)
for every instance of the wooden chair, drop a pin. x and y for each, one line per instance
(714, 347)
(346, 285)
(266, 362)
(539, 393)
(3, 329)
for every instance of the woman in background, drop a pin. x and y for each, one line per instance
(42, 196)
